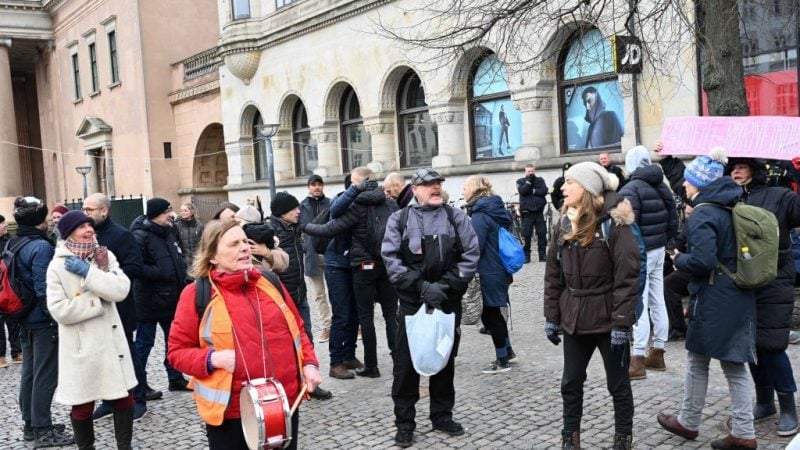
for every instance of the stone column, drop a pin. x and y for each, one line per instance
(328, 151)
(628, 122)
(384, 152)
(537, 128)
(453, 150)
(282, 154)
(110, 184)
(10, 172)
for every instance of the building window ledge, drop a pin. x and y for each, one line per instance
(94, 94)
(77, 101)
(113, 85)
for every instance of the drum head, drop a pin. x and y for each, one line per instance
(252, 422)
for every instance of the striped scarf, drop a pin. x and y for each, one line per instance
(82, 250)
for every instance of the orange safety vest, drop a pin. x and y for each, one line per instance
(212, 394)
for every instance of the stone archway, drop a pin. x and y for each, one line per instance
(211, 164)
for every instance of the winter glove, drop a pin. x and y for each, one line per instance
(619, 340)
(551, 331)
(367, 185)
(101, 258)
(77, 266)
(433, 294)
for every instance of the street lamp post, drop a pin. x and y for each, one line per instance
(265, 132)
(84, 170)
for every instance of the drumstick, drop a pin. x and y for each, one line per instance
(297, 400)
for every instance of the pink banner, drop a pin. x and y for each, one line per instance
(769, 137)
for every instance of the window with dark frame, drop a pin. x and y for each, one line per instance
(259, 150)
(112, 54)
(167, 150)
(93, 68)
(241, 9)
(305, 149)
(356, 142)
(495, 125)
(590, 102)
(419, 136)
(76, 77)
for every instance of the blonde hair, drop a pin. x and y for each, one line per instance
(190, 207)
(209, 242)
(585, 226)
(479, 185)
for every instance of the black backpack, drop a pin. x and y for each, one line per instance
(319, 243)
(377, 217)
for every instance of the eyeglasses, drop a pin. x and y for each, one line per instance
(89, 210)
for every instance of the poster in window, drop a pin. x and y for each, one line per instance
(594, 116)
(498, 129)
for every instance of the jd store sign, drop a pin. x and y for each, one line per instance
(628, 54)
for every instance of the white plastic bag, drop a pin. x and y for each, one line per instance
(430, 339)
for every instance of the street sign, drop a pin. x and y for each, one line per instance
(628, 54)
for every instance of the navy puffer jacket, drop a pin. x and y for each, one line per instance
(488, 215)
(653, 205)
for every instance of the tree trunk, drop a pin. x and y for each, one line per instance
(723, 71)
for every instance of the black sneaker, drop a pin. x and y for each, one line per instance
(450, 427)
(512, 356)
(104, 409)
(52, 438)
(497, 367)
(28, 434)
(404, 438)
(151, 394)
(369, 372)
(321, 394)
(179, 385)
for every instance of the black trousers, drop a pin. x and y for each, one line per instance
(578, 350)
(494, 321)
(229, 435)
(531, 220)
(39, 375)
(405, 387)
(676, 286)
(370, 286)
(13, 336)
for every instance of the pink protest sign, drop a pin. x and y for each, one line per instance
(770, 137)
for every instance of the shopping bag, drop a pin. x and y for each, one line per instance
(430, 339)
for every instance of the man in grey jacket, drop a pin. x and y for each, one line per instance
(431, 253)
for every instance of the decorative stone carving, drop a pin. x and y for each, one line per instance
(539, 103)
(324, 136)
(448, 117)
(243, 65)
(377, 128)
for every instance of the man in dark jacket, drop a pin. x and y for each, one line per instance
(310, 207)
(673, 169)
(532, 200)
(774, 302)
(556, 196)
(654, 208)
(157, 289)
(366, 218)
(395, 187)
(605, 160)
(39, 332)
(120, 241)
(429, 260)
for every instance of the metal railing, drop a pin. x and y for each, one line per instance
(201, 64)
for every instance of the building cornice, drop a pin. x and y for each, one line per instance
(21, 5)
(191, 93)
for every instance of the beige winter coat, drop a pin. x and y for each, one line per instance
(94, 362)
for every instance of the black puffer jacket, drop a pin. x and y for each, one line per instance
(356, 220)
(653, 205)
(291, 242)
(532, 192)
(163, 275)
(673, 169)
(189, 233)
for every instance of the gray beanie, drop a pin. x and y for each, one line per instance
(593, 177)
(637, 157)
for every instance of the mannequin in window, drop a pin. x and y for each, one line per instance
(604, 126)
(504, 124)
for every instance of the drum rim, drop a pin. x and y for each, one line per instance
(259, 412)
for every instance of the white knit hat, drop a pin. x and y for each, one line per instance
(593, 177)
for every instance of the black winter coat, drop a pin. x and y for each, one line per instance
(532, 193)
(653, 205)
(721, 315)
(673, 169)
(355, 220)
(163, 275)
(310, 208)
(290, 242)
(556, 196)
(617, 172)
(189, 233)
(123, 245)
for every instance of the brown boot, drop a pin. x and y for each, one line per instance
(655, 359)
(734, 443)
(3, 363)
(636, 370)
(571, 441)
(353, 364)
(339, 371)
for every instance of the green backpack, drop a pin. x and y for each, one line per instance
(756, 231)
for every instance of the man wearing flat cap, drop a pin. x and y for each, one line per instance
(431, 252)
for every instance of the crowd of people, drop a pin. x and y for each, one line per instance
(231, 296)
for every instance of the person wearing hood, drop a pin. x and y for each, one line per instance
(721, 315)
(654, 208)
(775, 301)
(488, 213)
(605, 128)
(591, 290)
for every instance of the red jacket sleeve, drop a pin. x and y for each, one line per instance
(309, 357)
(185, 354)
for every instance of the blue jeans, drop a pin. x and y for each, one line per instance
(774, 369)
(344, 318)
(145, 339)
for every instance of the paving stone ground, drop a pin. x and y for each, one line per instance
(520, 409)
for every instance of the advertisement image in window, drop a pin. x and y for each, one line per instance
(498, 128)
(594, 115)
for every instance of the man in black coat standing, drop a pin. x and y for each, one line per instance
(157, 290)
(532, 192)
(605, 160)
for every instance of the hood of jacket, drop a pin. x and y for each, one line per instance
(636, 158)
(142, 223)
(618, 208)
(494, 207)
(723, 191)
(651, 175)
(758, 169)
(371, 198)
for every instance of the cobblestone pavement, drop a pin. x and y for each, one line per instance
(520, 409)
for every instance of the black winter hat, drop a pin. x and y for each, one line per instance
(29, 211)
(156, 206)
(313, 179)
(70, 221)
(261, 234)
(283, 203)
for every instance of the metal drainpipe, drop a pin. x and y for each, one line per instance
(635, 84)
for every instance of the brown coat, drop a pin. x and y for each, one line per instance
(593, 289)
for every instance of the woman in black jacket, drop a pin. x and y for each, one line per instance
(189, 231)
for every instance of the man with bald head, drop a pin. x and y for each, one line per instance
(122, 244)
(395, 187)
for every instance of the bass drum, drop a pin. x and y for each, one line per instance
(265, 414)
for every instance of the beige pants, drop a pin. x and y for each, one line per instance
(317, 293)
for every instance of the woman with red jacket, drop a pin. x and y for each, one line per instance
(246, 335)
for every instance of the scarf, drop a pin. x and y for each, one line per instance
(82, 250)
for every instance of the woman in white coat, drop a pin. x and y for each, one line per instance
(83, 283)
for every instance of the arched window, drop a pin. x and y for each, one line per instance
(419, 140)
(259, 150)
(591, 103)
(305, 150)
(495, 125)
(356, 142)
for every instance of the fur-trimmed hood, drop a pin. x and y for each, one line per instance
(618, 208)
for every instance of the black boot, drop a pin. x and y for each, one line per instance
(765, 403)
(622, 442)
(84, 433)
(123, 428)
(570, 440)
(787, 422)
(543, 256)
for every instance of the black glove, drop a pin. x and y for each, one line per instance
(433, 294)
(551, 331)
(367, 185)
(531, 178)
(410, 281)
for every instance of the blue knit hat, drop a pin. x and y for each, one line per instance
(703, 170)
